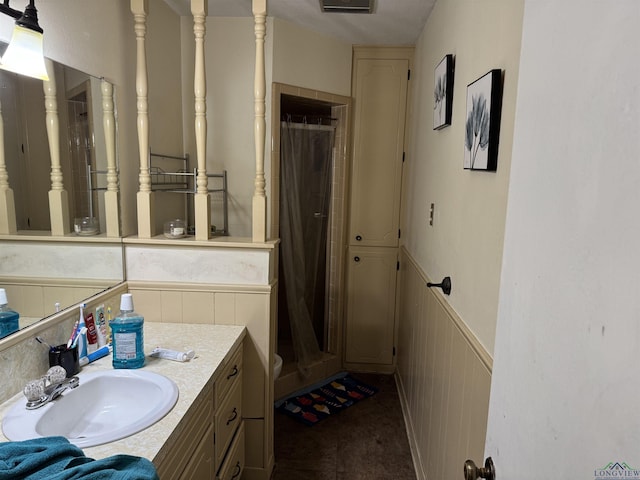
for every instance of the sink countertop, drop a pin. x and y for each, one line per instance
(213, 345)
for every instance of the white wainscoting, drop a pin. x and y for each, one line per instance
(444, 379)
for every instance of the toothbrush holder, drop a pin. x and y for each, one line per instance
(67, 358)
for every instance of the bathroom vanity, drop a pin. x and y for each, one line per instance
(203, 435)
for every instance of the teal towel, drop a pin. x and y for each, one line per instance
(54, 458)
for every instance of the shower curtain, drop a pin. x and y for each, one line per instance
(305, 192)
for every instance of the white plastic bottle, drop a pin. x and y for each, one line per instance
(127, 336)
(9, 319)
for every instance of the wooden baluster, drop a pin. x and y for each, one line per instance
(145, 197)
(7, 203)
(58, 198)
(202, 205)
(259, 213)
(111, 195)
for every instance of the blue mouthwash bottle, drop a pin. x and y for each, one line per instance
(8, 318)
(127, 336)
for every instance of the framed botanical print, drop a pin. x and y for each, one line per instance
(482, 127)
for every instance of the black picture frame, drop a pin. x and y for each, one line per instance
(482, 122)
(443, 93)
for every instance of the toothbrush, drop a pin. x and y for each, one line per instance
(82, 331)
(73, 334)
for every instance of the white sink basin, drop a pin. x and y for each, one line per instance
(106, 406)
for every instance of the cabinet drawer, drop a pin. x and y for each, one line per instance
(234, 463)
(227, 418)
(229, 376)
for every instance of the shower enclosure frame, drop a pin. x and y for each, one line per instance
(338, 218)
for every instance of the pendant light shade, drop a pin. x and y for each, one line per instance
(25, 55)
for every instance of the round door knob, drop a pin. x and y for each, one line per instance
(472, 472)
(356, 259)
(358, 237)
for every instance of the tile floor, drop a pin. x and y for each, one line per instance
(366, 441)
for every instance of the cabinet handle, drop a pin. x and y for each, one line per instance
(233, 373)
(356, 259)
(234, 415)
(359, 238)
(237, 471)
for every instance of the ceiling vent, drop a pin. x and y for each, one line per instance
(347, 6)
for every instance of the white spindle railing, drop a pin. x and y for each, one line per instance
(259, 212)
(145, 198)
(202, 205)
(58, 198)
(111, 195)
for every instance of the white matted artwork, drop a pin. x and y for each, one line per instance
(482, 128)
(443, 93)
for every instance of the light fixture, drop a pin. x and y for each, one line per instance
(24, 55)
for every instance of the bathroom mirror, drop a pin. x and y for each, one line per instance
(40, 272)
(82, 145)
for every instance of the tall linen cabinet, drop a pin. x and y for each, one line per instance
(380, 85)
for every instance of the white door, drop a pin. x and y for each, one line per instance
(565, 397)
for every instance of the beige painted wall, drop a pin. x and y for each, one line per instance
(292, 55)
(165, 103)
(165, 80)
(229, 62)
(304, 58)
(466, 239)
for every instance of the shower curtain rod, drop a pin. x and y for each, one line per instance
(304, 117)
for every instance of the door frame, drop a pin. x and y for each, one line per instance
(338, 218)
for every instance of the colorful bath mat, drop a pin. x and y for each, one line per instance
(318, 402)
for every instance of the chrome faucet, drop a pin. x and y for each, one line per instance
(48, 388)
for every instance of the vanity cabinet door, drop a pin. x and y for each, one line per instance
(196, 429)
(201, 464)
(234, 462)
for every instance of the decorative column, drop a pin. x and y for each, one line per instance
(58, 197)
(259, 213)
(111, 208)
(202, 205)
(7, 203)
(145, 197)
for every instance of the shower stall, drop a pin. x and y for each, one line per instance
(310, 224)
(305, 192)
